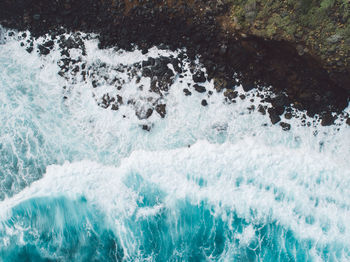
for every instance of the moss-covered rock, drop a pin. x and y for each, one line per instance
(318, 27)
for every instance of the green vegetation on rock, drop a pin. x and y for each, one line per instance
(321, 27)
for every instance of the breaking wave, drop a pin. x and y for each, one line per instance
(206, 183)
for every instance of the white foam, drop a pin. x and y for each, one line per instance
(273, 184)
(261, 172)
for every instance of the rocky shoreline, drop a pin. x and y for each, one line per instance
(298, 81)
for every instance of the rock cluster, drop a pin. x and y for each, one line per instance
(201, 27)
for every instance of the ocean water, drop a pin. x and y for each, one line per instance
(218, 183)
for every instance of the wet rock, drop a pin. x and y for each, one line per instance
(262, 110)
(177, 65)
(247, 86)
(119, 99)
(49, 44)
(279, 110)
(230, 94)
(43, 50)
(274, 116)
(154, 22)
(328, 119)
(285, 126)
(204, 102)
(29, 49)
(144, 114)
(115, 107)
(220, 84)
(71, 43)
(251, 108)
(187, 92)
(288, 115)
(199, 77)
(161, 110)
(199, 89)
(106, 101)
(146, 127)
(150, 62)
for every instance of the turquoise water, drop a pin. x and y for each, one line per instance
(216, 183)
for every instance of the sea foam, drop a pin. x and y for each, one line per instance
(206, 183)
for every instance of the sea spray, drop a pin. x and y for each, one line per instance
(217, 183)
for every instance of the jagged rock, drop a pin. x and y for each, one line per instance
(146, 127)
(43, 50)
(230, 94)
(274, 116)
(310, 84)
(247, 86)
(204, 102)
(199, 89)
(285, 126)
(144, 114)
(262, 110)
(328, 119)
(161, 110)
(199, 77)
(187, 92)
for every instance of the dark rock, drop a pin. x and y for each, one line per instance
(106, 101)
(187, 92)
(285, 126)
(177, 65)
(230, 94)
(199, 77)
(348, 121)
(199, 89)
(150, 23)
(115, 107)
(49, 44)
(146, 127)
(242, 96)
(43, 50)
(274, 116)
(149, 62)
(119, 99)
(288, 115)
(328, 119)
(280, 101)
(247, 86)
(29, 49)
(204, 102)
(36, 17)
(146, 72)
(262, 110)
(141, 114)
(279, 110)
(221, 84)
(161, 110)
(251, 108)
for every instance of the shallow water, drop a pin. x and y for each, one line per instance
(216, 183)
